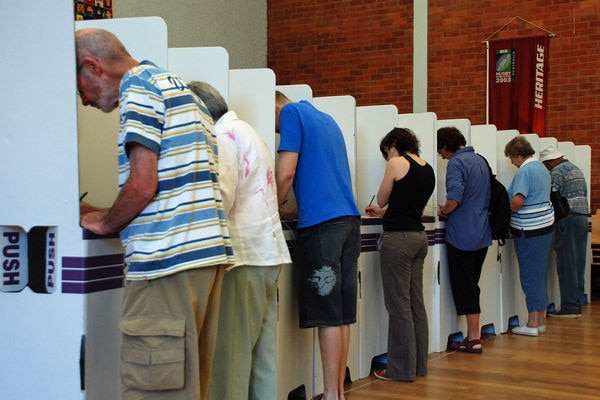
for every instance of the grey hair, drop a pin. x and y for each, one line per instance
(216, 104)
(99, 43)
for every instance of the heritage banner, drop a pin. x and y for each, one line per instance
(518, 82)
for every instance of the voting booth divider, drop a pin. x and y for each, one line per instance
(62, 285)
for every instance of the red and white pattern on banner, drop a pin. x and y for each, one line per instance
(518, 78)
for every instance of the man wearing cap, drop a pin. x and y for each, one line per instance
(571, 233)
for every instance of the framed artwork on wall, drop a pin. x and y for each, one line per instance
(93, 9)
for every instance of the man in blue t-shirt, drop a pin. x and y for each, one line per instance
(313, 159)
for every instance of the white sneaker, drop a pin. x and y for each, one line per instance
(542, 329)
(525, 330)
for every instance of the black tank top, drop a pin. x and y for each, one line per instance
(408, 198)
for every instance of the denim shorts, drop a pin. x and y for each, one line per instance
(326, 266)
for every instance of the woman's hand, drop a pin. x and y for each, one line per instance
(374, 211)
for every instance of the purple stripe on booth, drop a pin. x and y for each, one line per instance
(440, 236)
(368, 242)
(91, 287)
(92, 274)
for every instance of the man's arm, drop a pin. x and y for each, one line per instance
(285, 171)
(133, 197)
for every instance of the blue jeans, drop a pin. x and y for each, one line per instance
(570, 244)
(533, 253)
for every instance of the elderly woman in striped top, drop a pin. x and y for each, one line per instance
(532, 224)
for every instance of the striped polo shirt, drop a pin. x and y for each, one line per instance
(183, 226)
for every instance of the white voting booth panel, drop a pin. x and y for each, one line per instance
(424, 127)
(296, 92)
(582, 157)
(462, 124)
(251, 96)
(205, 64)
(372, 124)
(82, 295)
(42, 325)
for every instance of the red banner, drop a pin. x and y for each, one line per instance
(518, 82)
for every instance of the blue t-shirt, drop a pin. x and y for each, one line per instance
(532, 181)
(322, 183)
(468, 183)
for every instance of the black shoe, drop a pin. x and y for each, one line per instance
(562, 313)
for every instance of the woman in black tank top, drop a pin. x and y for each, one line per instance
(407, 185)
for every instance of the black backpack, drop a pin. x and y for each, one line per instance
(499, 210)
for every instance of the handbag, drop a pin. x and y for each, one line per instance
(560, 205)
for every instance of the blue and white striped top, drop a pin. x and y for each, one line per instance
(532, 180)
(183, 226)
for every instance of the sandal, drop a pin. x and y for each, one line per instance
(467, 346)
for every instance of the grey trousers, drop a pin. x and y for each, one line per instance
(402, 257)
(245, 362)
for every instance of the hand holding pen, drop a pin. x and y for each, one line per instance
(374, 211)
(84, 207)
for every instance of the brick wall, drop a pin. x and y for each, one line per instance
(364, 49)
(359, 48)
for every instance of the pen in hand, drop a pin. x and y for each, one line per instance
(371, 202)
(83, 196)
